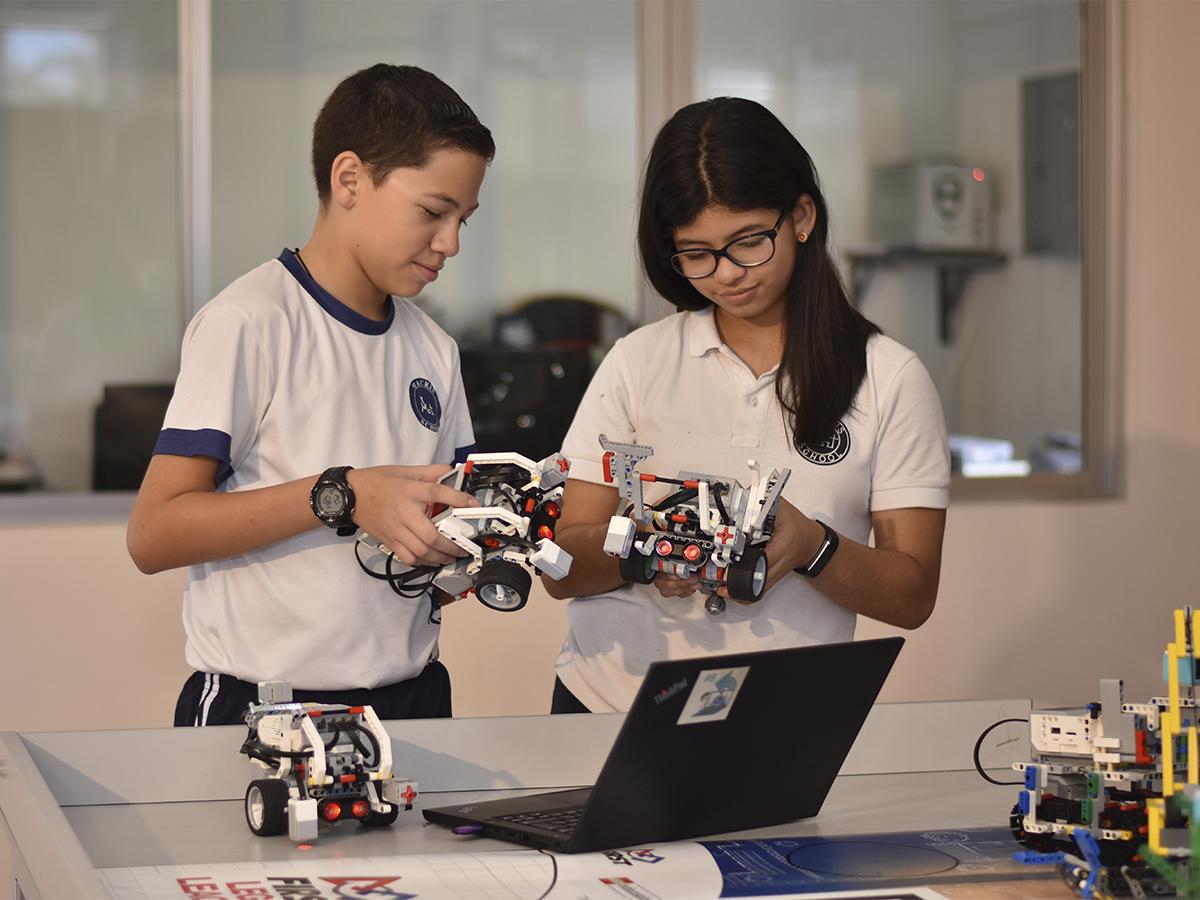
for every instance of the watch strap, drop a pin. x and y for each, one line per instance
(824, 553)
(344, 523)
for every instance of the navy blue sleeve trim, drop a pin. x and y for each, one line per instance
(461, 454)
(198, 442)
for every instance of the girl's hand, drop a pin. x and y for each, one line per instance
(794, 542)
(674, 586)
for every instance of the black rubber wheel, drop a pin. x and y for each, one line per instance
(380, 820)
(267, 806)
(502, 585)
(747, 577)
(635, 568)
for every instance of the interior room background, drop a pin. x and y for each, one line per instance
(105, 253)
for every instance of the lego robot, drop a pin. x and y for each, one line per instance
(520, 502)
(320, 763)
(1111, 793)
(710, 526)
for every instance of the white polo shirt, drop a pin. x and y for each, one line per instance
(279, 381)
(675, 386)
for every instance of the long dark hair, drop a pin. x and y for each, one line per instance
(734, 153)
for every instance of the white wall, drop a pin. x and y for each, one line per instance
(1037, 599)
(556, 83)
(89, 226)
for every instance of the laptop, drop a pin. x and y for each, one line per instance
(710, 745)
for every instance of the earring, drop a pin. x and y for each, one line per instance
(802, 236)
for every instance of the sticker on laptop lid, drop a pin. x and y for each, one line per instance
(712, 695)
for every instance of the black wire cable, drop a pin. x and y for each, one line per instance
(716, 494)
(979, 744)
(553, 872)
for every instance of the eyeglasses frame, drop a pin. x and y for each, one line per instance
(723, 253)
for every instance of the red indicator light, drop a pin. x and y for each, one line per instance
(332, 812)
(691, 553)
(977, 174)
(552, 509)
(664, 548)
(360, 809)
(545, 532)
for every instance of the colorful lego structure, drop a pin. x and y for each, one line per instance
(321, 763)
(511, 531)
(711, 526)
(1111, 795)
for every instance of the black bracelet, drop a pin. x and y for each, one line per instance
(824, 554)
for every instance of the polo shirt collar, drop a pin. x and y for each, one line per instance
(702, 336)
(702, 333)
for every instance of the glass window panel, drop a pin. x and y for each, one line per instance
(990, 85)
(556, 83)
(90, 253)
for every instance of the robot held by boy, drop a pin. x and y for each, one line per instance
(510, 532)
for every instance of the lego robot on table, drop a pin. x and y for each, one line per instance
(320, 763)
(1112, 791)
(710, 526)
(510, 532)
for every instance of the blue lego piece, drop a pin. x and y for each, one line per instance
(1024, 803)
(1091, 855)
(1186, 668)
(1033, 858)
(1031, 777)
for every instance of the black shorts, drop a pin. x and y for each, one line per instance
(210, 698)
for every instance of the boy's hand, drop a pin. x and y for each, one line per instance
(393, 502)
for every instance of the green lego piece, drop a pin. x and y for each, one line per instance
(1093, 785)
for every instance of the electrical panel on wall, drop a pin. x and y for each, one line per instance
(1050, 115)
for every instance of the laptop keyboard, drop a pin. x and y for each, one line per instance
(560, 821)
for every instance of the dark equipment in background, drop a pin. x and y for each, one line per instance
(524, 388)
(126, 426)
(523, 401)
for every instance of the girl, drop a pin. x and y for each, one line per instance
(765, 360)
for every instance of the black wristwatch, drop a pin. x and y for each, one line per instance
(824, 554)
(332, 500)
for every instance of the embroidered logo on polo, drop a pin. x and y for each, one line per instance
(425, 403)
(829, 451)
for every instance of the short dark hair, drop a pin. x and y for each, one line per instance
(392, 117)
(735, 153)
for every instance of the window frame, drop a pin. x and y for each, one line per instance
(666, 36)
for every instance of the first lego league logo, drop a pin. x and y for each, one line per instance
(292, 888)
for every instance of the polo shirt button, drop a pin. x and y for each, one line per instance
(754, 401)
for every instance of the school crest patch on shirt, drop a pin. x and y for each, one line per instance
(425, 404)
(829, 451)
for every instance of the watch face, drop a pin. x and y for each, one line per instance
(330, 501)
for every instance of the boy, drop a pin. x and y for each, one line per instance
(301, 384)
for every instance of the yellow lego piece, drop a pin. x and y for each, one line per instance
(1156, 814)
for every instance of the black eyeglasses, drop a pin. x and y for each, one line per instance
(747, 251)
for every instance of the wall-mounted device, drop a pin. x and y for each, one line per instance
(932, 206)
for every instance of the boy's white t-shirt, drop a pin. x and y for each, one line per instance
(280, 381)
(675, 386)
